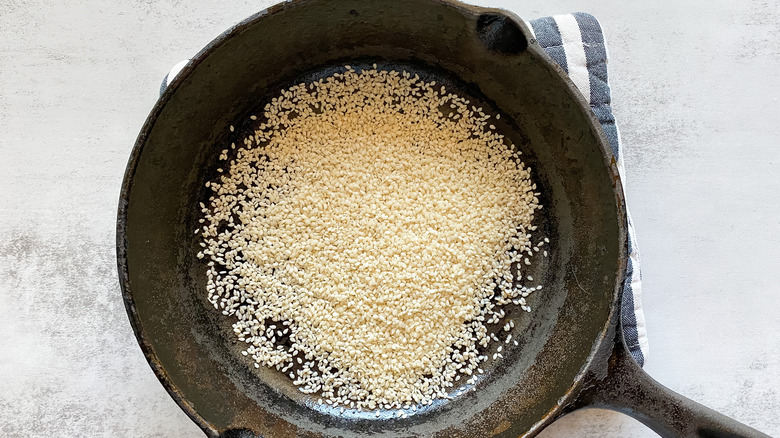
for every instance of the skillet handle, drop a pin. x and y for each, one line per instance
(628, 389)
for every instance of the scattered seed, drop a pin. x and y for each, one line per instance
(277, 233)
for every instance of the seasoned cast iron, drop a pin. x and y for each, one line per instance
(571, 353)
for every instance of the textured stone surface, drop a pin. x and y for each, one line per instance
(695, 85)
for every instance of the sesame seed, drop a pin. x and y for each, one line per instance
(337, 227)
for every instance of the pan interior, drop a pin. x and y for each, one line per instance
(192, 347)
(541, 268)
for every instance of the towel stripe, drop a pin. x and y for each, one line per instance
(633, 313)
(548, 36)
(596, 57)
(575, 52)
(596, 60)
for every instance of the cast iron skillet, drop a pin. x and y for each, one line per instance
(570, 353)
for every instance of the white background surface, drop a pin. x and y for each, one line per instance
(695, 88)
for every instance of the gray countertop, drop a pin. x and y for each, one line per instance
(696, 92)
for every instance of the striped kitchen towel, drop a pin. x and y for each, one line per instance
(576, 43)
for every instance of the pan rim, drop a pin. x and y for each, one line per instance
(602, 341)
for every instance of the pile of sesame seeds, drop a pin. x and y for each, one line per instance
(364, 238)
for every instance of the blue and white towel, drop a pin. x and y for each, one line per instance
(576, 43)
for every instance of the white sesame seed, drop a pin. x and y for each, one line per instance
(276, 234)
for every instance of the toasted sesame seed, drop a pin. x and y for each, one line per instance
(341, 256)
